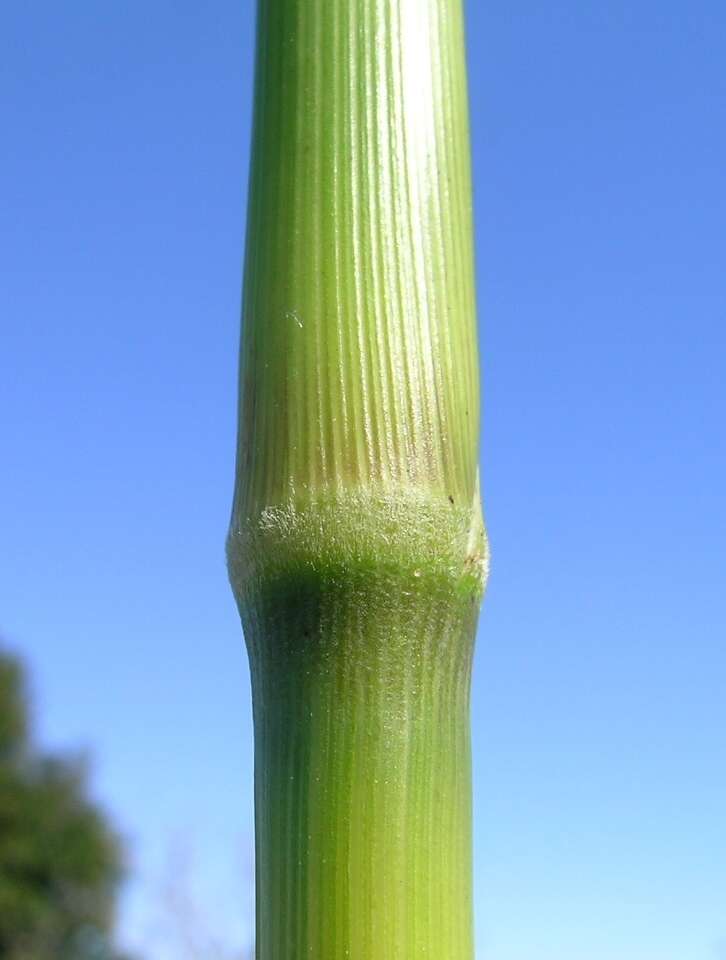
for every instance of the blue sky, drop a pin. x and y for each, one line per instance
(599, 695)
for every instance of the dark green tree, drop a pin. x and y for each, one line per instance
(60, 861)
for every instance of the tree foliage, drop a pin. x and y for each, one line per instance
(60, 862)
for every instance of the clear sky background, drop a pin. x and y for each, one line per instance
(599, 143)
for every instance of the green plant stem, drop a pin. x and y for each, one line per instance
(363, 795)
(357, 550)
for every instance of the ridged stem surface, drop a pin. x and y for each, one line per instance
(363, 790)
(357, 550)
(359, 351)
